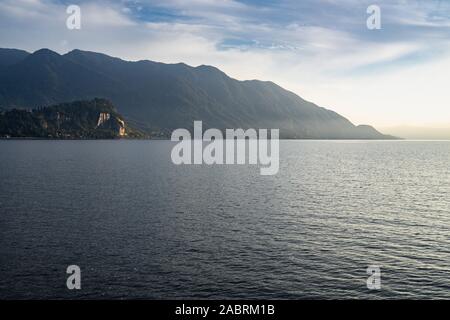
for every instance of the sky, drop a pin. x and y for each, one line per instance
(322, 50)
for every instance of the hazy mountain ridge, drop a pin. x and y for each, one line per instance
(161, 97)
(11, 56)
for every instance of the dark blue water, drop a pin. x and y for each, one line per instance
(140, 227)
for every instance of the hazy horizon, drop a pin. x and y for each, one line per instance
(438, 132)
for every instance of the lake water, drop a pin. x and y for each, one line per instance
(140, 227)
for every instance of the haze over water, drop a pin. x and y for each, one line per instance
(140, 227)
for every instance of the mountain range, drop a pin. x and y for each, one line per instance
(158, 98)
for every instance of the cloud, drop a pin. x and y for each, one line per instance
(97, 15)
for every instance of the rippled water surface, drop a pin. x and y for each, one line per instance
(140, 227)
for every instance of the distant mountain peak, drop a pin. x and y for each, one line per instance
(86, 53)
(45, 51)
(13, 51)
(11, 56)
